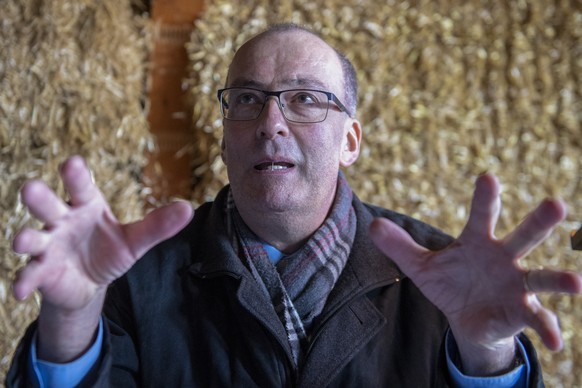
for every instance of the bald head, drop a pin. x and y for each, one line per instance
(292, 32)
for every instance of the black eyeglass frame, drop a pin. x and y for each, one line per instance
(330, 97)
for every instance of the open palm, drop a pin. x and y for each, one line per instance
(83, 247)
(477, 281)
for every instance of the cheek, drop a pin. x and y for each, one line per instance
(232, 144)
(325, 141)
(230, 153)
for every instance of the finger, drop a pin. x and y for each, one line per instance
(28, 279)
(78, 181)
(545, 323)
(30, 241)
(535, 228)
(485, 206)
(396, 243)
(548, 280)
(160, 224)
(42, 202)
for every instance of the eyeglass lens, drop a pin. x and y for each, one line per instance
(303, 106)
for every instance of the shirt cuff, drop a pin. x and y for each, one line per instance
(50, 374)
(518, 377)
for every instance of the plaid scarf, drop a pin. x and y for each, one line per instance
(298, 286)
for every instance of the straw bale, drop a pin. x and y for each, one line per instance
(71, 82)
(449, 89)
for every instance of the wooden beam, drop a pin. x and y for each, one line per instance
(176, 12)
(168, 171)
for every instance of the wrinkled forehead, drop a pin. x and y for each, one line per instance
(283, 60)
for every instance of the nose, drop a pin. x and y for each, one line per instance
(272, 122)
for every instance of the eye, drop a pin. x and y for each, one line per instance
(304, 97)
(248, 98)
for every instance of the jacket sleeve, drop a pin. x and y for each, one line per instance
(117, 364)
(536, 377)
(17, 374)
(106, 372)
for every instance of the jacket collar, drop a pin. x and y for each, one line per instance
(211, 243)
(367, 266)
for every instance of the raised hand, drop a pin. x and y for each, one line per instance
(82, 247)
(478, 283)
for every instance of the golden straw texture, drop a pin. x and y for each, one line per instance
(448, 89)
(71, 81)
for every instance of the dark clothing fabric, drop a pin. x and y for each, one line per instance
(190, 314)
(299, 285)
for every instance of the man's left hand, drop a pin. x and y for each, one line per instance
(478, 282)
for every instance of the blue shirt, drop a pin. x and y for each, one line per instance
(49, 374)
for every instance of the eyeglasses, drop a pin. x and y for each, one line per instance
(297, 105)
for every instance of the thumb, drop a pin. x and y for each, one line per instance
(157, 226)
(397, 244)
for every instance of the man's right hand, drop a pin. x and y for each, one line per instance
(80, 251)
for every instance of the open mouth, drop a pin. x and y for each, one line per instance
(273, 166)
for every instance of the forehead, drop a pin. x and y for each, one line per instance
(288, 59)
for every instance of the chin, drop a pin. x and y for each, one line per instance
(276, 203)
(272, 200)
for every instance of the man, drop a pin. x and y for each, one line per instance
(286, 279)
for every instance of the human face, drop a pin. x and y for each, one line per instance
(274, 165)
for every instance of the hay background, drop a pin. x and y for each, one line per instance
(71, 81)
(447, 90)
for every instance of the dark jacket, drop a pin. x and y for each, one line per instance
(189, 314)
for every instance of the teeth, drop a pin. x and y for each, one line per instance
(276, 167)
(273, 166)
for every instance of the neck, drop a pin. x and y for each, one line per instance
(286, 231)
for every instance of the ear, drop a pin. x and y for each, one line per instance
(222, 151)
(351, 143)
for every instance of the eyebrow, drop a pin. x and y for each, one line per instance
(291, 82)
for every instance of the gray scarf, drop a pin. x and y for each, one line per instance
(298, 286)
